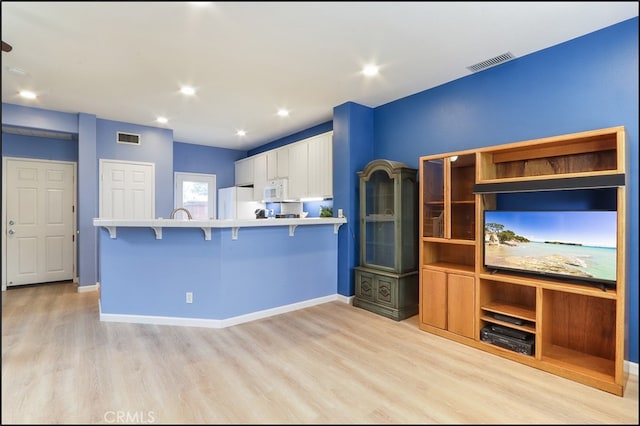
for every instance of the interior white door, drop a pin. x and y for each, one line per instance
(195, 192)
(40, 221)
(127, 190)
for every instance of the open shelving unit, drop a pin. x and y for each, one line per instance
(578, 330)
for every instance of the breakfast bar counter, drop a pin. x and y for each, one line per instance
(214, 273)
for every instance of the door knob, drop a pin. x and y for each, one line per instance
(11, 232)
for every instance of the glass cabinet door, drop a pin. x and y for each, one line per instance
(463, 213)
(433, 198)
(379, 221)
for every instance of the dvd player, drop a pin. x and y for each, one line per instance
(522, 346)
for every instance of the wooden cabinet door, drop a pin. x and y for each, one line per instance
(434, 298)
(460, 304)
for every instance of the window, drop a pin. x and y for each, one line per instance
(196, 192)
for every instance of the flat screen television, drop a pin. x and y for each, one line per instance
(575, 246)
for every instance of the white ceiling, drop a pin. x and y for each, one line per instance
(126, 61)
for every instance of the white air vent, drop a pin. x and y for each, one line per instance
(130, 138)
(505, 57)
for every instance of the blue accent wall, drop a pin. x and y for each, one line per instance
(39, 147)
(144, 276)
(192, 158)
(587, 83)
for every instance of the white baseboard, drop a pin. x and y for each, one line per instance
(631, 367)
(86, 288)
(214, 323)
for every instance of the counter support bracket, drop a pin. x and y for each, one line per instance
(158, 231)
(112, 231)
(207, 233)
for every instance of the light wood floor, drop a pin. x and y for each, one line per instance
(331, 363)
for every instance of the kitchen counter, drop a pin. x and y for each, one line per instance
(235, 224)
(161, 271)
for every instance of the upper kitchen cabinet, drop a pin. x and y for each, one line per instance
(259, 176)
(278, 163)
(321, 166)
(307, 165)
(244, 172)
(311, 167)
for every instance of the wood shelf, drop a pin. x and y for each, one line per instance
(506, 308)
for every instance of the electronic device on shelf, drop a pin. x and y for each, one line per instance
(522, 346)
(511, 332)
(507, 318)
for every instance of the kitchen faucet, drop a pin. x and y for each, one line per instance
(173, 213)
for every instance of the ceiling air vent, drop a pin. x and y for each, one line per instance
(505, 57)
(130, 138)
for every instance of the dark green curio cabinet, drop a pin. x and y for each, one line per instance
(386, 281)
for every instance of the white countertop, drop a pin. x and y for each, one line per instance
(206, 225)
(216, 223)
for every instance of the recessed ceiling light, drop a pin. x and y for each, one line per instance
(186, 90)
(27, 94)
(241, 133)
(162, 120)
(370, 70)
(283, 112)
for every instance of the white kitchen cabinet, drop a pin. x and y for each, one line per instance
(311, 167)
(278, 163)
(307, 165)
(259, 175)
(298, 173)
(320, 166)
(244, 172)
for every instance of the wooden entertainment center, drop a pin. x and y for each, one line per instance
(578, 330)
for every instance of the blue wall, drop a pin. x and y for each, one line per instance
(205, 159)
(587, 83)
(47, 149)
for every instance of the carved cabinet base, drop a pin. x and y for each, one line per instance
(392, 295)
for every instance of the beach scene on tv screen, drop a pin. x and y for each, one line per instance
(579, 244)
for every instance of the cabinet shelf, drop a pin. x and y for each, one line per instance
(595, 367)
(552, 285)
(512, 310)
(527, 328)
(448, 266)
(380, 218)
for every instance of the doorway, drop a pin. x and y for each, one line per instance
(40, 221)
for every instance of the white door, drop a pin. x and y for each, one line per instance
(40, 221)
(127, 190)
(195, 192)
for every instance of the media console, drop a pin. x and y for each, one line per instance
(563, 325)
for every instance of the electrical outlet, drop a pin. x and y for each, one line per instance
(189, 297)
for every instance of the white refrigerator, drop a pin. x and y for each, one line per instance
(236, 202)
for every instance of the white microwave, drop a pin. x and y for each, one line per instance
(275, 190)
